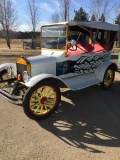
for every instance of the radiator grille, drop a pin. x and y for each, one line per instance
(21, 68)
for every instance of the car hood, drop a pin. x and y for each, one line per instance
(41, 60)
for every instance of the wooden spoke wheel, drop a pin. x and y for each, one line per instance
(41, 100)
(108, 78)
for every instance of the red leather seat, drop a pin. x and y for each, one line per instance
(98, 48)
(80, 49)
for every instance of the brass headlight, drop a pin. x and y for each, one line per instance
(9, 70)
(26, 76)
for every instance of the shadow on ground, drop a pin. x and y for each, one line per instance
(88, 117)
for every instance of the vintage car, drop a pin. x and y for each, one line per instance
(74, 55)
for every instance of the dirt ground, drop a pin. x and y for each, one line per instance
(86, 126)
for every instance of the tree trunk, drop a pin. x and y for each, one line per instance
(8, 43)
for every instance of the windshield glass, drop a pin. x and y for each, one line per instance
(54, 37)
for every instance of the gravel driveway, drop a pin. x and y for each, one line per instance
(86, 126)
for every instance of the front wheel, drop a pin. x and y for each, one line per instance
(41, 100)
(108, 78)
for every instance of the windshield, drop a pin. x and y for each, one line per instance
(54, 37)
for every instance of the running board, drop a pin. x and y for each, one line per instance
(11, 98)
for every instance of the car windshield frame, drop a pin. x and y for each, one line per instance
(54, 37)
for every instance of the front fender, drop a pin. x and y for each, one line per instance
(5, 65)
(34, 80)
(100, 71)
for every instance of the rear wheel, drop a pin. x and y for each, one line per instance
(41, 100)
(108, 78)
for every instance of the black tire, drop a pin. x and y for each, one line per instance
(108, 78)
(41, 100)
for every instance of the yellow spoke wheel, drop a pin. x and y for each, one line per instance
(108, 78)
(41, 100)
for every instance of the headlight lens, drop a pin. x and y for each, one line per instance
(26, 76)
(9, 70)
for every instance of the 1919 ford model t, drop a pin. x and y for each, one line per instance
(74, 55)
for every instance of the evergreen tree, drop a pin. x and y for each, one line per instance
(81, 15)
(93, 17)
(102, 18)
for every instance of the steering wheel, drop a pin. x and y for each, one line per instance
(72, 48)
(72, 45)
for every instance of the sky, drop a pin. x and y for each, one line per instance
(47, 8)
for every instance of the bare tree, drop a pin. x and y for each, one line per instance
(8, 19)
(55, 18)
(117, 21)
(65, 7)
(33, 15)
(117, 9)
(99, 7)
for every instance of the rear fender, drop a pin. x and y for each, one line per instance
(100, 71)
(43, 77)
